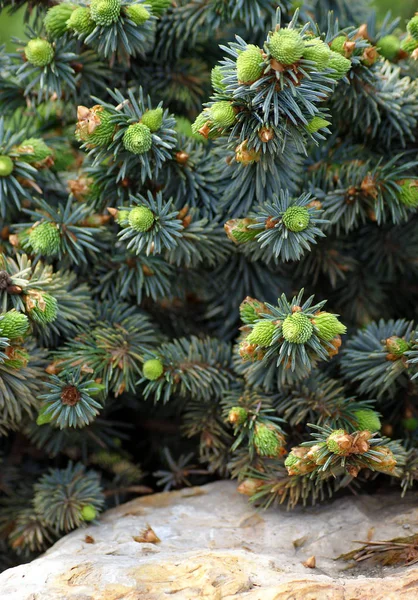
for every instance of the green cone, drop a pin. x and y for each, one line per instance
(389, 46)
(317, 51)
(88, 513)
(296, 218)
(137, 138)
(152, 369)
(80, 21)
(297, 328)
(409, 193)
(6, 165)
(105, 12)
(250, 65)
(328, 326)
(262, 333)
(137, 13)
(34, 150)
(339, 64)
(141, 218)
(13, 325)
(43, 308)
(286, 46)
(412, 27)
(222, 114)
(39, 52)
(367, 420)
(216, 78)
(153, 119)
(56, 19)
(45, 239)
(267, 441)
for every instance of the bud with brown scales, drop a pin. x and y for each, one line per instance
(245, 155)
(370, 56)
(335, 346)
(184, 217)
(248, 487)
(182, 157)
(80, 187)
(369, 186)
(88, 119)
(70, 395)
(266, 134)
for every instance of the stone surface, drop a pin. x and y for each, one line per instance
(215, 546)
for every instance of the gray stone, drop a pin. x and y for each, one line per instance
(214, 545)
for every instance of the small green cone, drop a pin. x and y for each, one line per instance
(339, 64)
(388, 46)
(250, 65)
(141, 218)
(13, 325)
(56, 19)
(412, 27)
(337, 45)
(267, 441)
(17, 359)
(262, 333)
(222, 114)
(137, 139)
(159, 6)
(297, 462)
(286, 46)
(105, 12)
(6, 165)
(409, 193)
(94, 126)
(238, 231)
(34, 151)
(317, 51)
(39, 52)
(137, 13)
(202, 120)
(237, 415)
(88, 513)
(153, 369)
(80, 21)
(297, 328)
(367, 420)
(316, 124)
(328, 326)
(397, 346)
(296, 218)
(42, 308)
(409, 44)
(153, 119)
(250, 310)
(45, 239)
(122, 218)
(216, 78)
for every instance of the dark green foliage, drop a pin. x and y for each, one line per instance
(208, 255)
(61, 495)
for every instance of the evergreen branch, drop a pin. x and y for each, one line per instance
(201, 368)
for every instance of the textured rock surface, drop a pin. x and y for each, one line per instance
(216, 547)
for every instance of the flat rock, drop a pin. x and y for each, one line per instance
(214, 545)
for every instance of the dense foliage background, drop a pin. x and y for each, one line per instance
(209, 241)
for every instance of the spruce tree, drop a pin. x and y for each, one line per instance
(209, 255)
